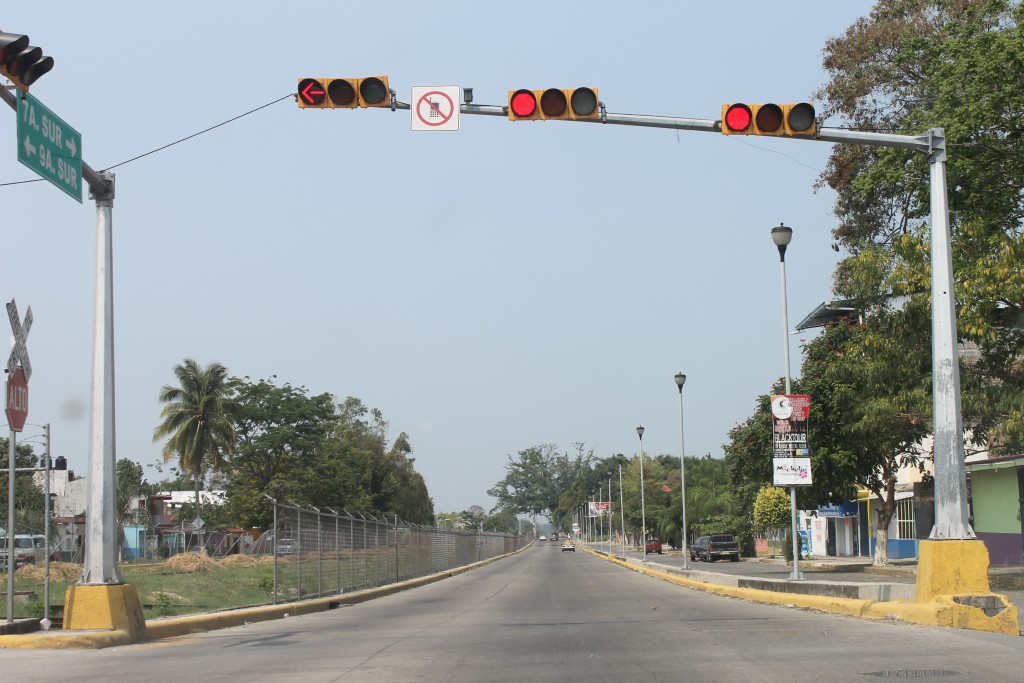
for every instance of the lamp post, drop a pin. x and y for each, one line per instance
(610, 510)
(782, 237)
(643, 509)
(680, 381)
(622, 510)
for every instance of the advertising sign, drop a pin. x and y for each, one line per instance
(598, 509)
(791, 464)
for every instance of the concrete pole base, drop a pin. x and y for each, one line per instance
(115, 607)
(953, 576)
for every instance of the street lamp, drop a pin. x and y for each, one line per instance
(610, 510)
(622, 510)
(680, 381)
(643, 510)
(782, 236)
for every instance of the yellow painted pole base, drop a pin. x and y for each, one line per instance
(115, 607)
(953, 576)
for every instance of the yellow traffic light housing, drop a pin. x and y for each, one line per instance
(344, 93)
(788, 120)
(553, 104)
(21, 63)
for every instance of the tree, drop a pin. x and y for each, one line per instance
(536, 481)
(281, 432)
(772, 510)
(29, 499)
(198, 419)
(910, 66)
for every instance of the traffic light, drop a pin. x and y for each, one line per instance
(20, 62)
(791, 120)
(552, 104)
(344, 93)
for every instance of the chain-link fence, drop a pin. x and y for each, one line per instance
(326, 553)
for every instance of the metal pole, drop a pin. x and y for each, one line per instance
(643, 509)
(276, 541)
(795, 574)
(45, 622)
(680, 381)
(622, 511)
(951, 514)
(610, 511)
(12, 443)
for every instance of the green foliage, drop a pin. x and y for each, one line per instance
(35, 608)
(162, 605)
(955, 64)
(197, 419)
(537, 480)
(772, 509)
(29, 499)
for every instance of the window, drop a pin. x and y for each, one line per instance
(905, 518)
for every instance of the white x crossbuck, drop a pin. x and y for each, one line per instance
(19, 351)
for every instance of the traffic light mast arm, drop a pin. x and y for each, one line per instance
(98, 185)
(924, 143)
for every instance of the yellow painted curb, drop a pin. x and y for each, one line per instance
(944, 610)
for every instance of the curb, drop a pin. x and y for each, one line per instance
(948, 611)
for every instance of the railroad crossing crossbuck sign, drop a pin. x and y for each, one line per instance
(19, 369)
(19, 352)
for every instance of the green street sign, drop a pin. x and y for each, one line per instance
(49, 146)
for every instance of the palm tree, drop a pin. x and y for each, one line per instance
(198, 419)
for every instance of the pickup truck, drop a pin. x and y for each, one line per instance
(715, 547)
(28, 548)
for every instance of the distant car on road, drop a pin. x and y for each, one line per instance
(568, 545)
(654, 546)
(543, 537)
(554, 536)
(715, 547)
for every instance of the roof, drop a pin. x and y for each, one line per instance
(827, 313)
(999, 463)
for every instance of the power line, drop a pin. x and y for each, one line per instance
(171, 144)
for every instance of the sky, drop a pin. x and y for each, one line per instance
(491, 289)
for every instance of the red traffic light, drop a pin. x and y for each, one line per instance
(522, 104)
(736, 119)
(311, 93)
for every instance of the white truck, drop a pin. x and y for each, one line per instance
(28, 548)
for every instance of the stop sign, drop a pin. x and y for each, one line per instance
(17, 400)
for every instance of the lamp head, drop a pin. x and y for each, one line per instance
(680, 381)
(782, 236)
(640, 432)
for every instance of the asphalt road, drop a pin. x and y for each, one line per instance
(545, 615)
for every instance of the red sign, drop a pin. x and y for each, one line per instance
(17, 400)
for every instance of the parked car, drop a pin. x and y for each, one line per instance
(568, 545)
(28, 549)
(285, 546)
(654, 546)
(715, 547)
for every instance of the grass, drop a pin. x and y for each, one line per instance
(189, 584)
